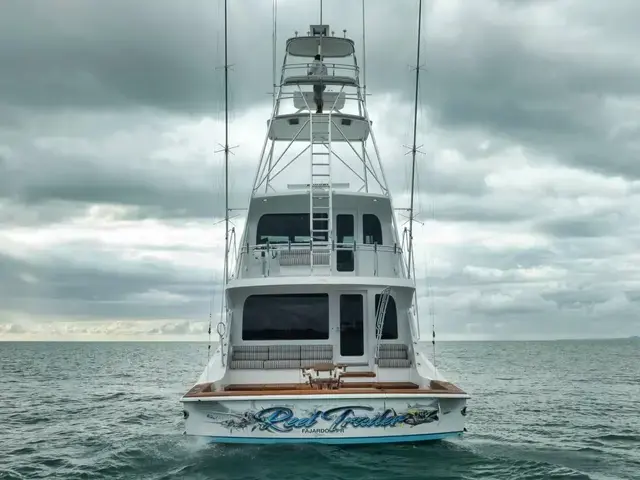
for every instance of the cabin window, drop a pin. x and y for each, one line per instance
(286, 317)
(390, 325)
(371, 229)
(345, 232)
(289, 227)
(351, 325)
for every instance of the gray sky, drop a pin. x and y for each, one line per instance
(529, 186)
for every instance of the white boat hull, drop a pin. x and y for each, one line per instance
(322, 420)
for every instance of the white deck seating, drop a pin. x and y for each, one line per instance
(251, 353)
(394, 355)
(332, 100)
(281, 364)
(246, 357)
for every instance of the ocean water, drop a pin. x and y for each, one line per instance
(565, 409)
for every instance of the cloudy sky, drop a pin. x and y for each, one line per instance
(111, 195)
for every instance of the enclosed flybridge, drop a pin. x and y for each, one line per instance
(319, 338)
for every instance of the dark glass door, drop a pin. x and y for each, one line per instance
(345, 232)
(351, 325)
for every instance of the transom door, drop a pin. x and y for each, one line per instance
(352, 326)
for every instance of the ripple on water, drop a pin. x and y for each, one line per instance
(535, 412)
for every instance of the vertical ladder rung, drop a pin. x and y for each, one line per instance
(320, 185)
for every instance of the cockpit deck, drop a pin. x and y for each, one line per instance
(344, 388)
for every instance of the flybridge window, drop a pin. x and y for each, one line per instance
(288, 227)
(390, 325)
(371, 229)
(286, 317)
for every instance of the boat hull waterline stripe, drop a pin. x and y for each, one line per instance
(339, 440)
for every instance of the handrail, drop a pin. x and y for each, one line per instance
(301, 245)
(268, 259)
(333, 69)
(307, 65)
(380, 317)
(294, 94)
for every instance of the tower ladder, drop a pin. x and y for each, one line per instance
(320, 189)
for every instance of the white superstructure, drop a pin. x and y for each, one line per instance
(319, 340)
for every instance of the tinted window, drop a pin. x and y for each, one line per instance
(286, 317)
(390, 326)
(288, 227)
(371, 229)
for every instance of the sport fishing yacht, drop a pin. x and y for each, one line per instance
(319, 336)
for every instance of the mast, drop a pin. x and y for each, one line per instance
(226, 153)
(415, 130)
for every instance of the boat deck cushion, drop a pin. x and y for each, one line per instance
(284, 352)
(279, 356)
(246, 364)
(251, 352)
(281, 364)
(394, 363)
(316, 352)
(394, 355)
(394, 350)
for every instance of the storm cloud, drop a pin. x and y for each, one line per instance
(111, 187)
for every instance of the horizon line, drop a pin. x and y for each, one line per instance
(204, 342)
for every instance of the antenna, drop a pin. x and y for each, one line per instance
(415, 128)
(226, 152)
(275, 13)
(364, 58)
(323, 31)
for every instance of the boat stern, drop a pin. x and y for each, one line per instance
(339, 418)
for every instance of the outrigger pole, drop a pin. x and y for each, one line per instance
(225, 275)
(414, 148)
(226, 152)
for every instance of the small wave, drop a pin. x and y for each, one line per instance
(149, 398)
(588, 450)
(30, 419)
(106, 398)
(10, 474)
(618, 438)
(136, 419)
(23, 451)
